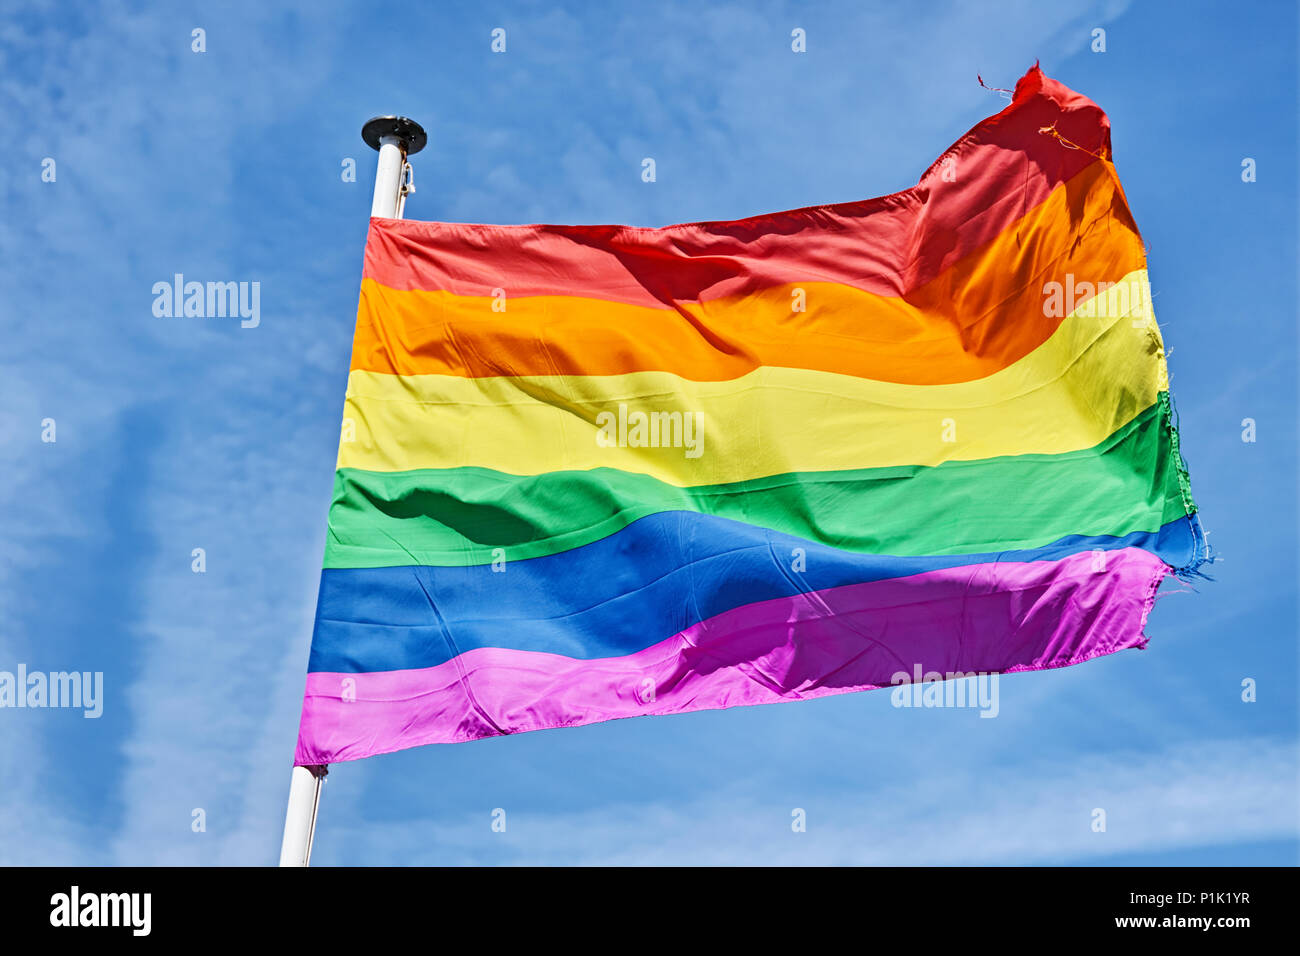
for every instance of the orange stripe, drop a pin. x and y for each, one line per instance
(977, 317)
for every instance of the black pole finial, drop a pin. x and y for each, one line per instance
(409, 133)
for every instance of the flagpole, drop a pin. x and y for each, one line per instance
(395, 137)
(300, 818)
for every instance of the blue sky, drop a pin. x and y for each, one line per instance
(175, 434)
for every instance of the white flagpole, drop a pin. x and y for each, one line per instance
(300, 818)
(396, 137)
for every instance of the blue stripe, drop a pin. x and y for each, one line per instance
(659, 575)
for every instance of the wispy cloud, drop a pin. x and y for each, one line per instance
(1042, 812)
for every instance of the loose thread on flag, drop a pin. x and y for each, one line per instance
(994, 89)
(1052, 131)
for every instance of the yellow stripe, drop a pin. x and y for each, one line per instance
(1096, 373)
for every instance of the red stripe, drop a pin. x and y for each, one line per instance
(1000, 170)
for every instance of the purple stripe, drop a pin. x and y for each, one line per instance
(989, 618)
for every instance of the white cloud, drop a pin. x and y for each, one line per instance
(1192, 795)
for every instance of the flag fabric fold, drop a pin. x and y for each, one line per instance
(590, 472)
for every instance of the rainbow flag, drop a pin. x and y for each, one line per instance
(590, 472)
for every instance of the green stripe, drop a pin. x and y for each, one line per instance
(1130, 482)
